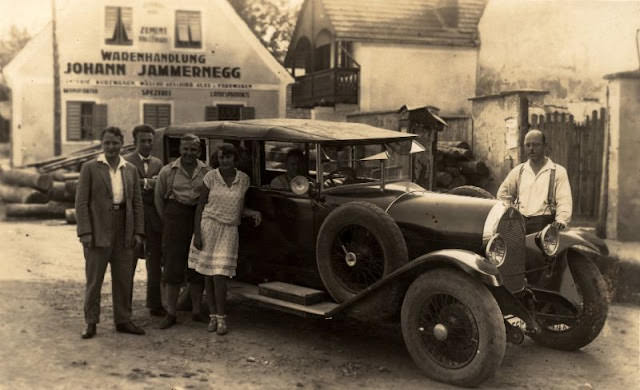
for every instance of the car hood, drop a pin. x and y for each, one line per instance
(449, 221)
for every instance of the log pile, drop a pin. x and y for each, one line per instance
(46, 189)
(455, 166)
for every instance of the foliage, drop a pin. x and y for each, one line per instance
(12, 44)
(272, 21)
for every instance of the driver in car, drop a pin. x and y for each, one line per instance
(295, 167)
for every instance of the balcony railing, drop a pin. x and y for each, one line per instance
(327, 88)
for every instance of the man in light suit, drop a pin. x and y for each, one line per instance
(110, 224)
(148, 168)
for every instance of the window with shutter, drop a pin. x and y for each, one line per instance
(73, 121)
(85, 120)
(118, 27)
(157, 115)
(99, 119)
(211, 113)
(188, 29)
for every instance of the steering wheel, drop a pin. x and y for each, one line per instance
(348, 173)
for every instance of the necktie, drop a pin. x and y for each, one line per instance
(145, 162)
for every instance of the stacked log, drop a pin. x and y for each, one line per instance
(456, 166)
(46, 189)
(47, 210)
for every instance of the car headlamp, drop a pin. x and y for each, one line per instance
(496, 250)
(548, 240)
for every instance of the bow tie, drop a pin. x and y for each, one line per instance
(146, 160)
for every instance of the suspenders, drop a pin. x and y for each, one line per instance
(551, 191)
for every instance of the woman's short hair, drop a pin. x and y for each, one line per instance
(229, 149)
(112, 130)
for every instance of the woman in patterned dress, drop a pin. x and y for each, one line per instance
(214, 250)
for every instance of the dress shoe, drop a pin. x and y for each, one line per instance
(158, 312)
(129, 327)
(89, 332)
(168, 321)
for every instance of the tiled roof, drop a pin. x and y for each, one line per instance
(410, 21)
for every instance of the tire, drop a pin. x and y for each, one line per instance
(439, 299)
(590, 317)
(473, 191)
(374, 239)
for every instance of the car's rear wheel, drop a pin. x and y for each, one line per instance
(473, 191)
(570, 328)
(358, 244)
(453, 328)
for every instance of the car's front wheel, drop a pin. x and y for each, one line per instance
(569, 328)
(453, 328)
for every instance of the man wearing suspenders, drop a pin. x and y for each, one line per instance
(176, 195)
(538, 188)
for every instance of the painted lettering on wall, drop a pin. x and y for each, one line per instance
(96, 68)
(115, 63)
(229, 94)
(156, 92)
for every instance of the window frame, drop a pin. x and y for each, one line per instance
(180, 44)
(108, 39)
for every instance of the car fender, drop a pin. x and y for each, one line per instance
(466, 261)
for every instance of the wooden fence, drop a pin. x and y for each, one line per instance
(579, 148)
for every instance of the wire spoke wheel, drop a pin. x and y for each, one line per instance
(453, 328)
(445, 314)
(357, 259)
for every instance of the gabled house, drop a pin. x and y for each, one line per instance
(369, 55)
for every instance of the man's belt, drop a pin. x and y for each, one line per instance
(117, 206)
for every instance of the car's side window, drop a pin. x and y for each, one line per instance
(283, 161)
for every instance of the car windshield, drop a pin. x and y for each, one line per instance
(353, 164)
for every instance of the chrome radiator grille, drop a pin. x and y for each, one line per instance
(511, 228)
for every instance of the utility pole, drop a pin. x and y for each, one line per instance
(57, 125)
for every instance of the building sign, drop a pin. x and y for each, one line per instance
(149, 64)
(153, 34)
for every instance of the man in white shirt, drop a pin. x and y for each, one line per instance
(538, 188)
(110, 225)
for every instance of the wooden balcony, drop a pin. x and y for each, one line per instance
(327, 88)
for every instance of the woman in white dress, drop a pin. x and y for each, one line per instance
(214, 250)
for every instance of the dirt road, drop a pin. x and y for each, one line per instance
(41, 283)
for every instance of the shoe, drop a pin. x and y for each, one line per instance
(222, 324)
(89, 332)
(213, 323)
(129, 327)
(158, 312)
(168, 321)
(195, 317)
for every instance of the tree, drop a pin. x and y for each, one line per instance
(272, 21)
(11, 45)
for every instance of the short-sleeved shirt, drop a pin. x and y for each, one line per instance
(225, 203)
(176, 184)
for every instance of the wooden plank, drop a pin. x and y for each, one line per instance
(292, 293)
(250, 292)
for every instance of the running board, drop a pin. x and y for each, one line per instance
(252, 293)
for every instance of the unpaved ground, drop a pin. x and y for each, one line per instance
(41, 283)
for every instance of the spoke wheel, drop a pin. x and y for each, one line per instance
(359, 244)
(567, 327)
(453, 328)
(357, 259)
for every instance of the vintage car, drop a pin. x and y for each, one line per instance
(354, 235)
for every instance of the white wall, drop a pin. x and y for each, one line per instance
(392, 76)
(30, 77)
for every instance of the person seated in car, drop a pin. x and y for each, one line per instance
(294, 164)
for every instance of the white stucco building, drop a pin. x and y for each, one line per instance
(122, 63)
(371, 55)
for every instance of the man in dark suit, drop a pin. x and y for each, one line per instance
(110, 224)
(148, 167)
